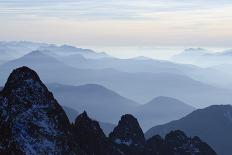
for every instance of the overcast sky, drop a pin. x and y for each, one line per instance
(119, 23)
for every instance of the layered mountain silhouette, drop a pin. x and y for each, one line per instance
(203, 57)
(15, 49)
(89, 59)
(161, 110)
(94, 98)
(213, 124)
(67, 50)
(32, 122)
(39, 61)
(139, 86)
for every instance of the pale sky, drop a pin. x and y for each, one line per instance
(101, 24)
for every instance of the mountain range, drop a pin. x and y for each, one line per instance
(139, 86)
(14, 49)
(34, 123)
(213, 124)
(93, 98)
(202, 57)
(89, 59)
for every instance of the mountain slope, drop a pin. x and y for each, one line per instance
(213, 124)
(161, 110)
(34, 121)
(94, 99)
(39, 61)
(13, 49)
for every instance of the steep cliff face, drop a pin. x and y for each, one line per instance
(32, 120)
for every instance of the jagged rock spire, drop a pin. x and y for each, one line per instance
(128, 132)
(91, 138)
(128, 136)
(36, 123)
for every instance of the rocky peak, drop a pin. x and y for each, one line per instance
(35, 122)
(19, 77)
(178, 142)
(128, 132)
(176, 138)
(88, 126)
(157, 146)
(91, 138)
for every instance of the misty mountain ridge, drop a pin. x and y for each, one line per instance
(15, 49)
(190, 55)
(89, 59)
(139, 86)
(93, 98)
(161, 110)
(202, 57)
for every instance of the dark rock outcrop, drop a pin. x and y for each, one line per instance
(32, 122)
(91, 138)
(181, 144)
(176, 142)
(128, 135)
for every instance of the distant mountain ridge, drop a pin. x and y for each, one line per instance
(202, 57)
(94, 98)
(161, 110)
(213, 124)
(133, 84)
(15, 49)
(89, 59)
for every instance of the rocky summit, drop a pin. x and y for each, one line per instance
(128, 136)
(90, 137)
(32, 123)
